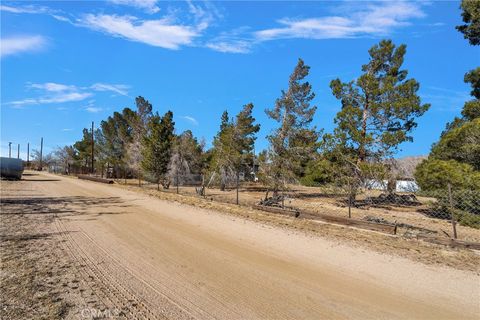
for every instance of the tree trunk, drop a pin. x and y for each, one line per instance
(391, 185)
(362, 154)
(222, 181)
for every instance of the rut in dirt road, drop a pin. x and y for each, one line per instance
(143, 258)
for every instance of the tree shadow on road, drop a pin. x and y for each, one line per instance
(41, 180)
(74, 205)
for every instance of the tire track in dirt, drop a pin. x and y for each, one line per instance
(112, 292)
(136, 284)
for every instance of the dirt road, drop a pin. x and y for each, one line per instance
(135, 256)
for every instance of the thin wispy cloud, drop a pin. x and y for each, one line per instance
(93, 109)
(159, 33)
(52, 87)
(51, 92)
(35, 9)
(149, 6)
(376, 19)
(191, 119)
(203, 16)
(230, 46)
(443, 99)
(22, 44)
(120, 89)
(25, 9)
(233, 41)
(168, 32)
(368, 19)
(57, 98)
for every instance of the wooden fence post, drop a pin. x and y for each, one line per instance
(454, 223)
(177, 180)
(238, 182)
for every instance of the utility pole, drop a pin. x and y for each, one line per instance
(93, 141)
(28, 154)
(9, 149)
(18, 151)
(41, 153)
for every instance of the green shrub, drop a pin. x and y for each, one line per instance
(434, 174)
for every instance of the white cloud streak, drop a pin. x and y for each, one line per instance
(60, 93)
(52, 87)
(230, 46)
(25, 9)
(21, 44)
(57, 98)
(120, 89)
(149, 6)
(353, 20)
(191, 119)
(93, 109)
(158, 33)
(373, 20)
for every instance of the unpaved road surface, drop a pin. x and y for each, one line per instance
(92, 249)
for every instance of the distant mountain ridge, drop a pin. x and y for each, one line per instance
(405, 167)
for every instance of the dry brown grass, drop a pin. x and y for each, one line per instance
(33, 267)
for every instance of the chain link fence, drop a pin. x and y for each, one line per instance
(447, 212)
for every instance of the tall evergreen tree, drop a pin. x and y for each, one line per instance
(245, 136)
(234, 144)
(222, 149)
(294, 113)
(157, 144)
(471, 17)
(379, 109)
(117, 132)
(138, 121)
(83, 150)
(455, 158)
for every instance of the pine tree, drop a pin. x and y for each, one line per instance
(457, 153)
(245, 135)
(117, 131)
(156, 147)
(294, 114)
(379, 109)
(471, 17)
(83, 150)
(233, 145)
(139, 123)
(222, 151)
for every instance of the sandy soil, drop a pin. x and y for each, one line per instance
(73, 248)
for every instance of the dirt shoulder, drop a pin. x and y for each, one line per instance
(416, 250)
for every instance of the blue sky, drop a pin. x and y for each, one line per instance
(67, 63)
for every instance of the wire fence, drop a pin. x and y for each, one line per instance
(446, 212)
(449, 211)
